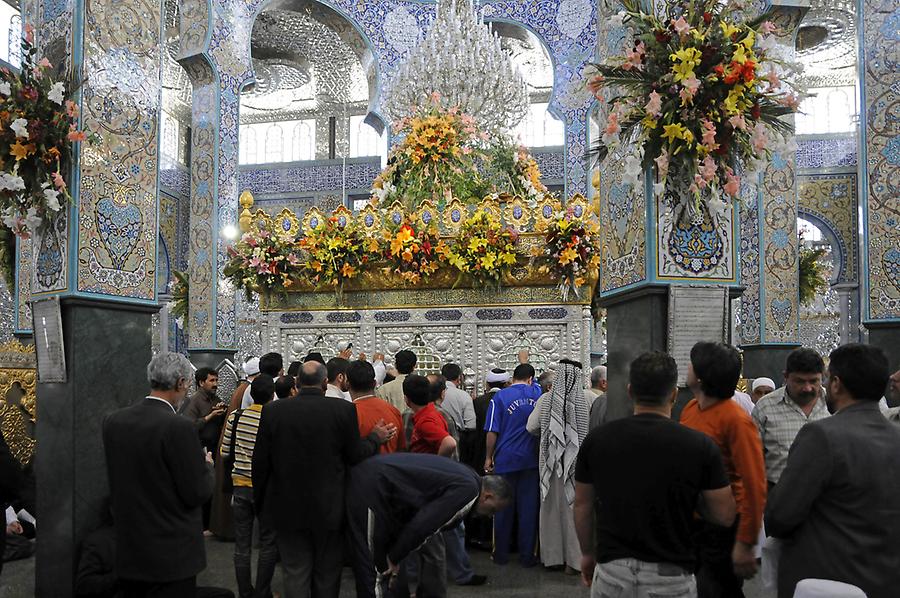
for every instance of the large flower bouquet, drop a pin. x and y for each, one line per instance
(436, 159)
(412, 253)
(699, 95)
(513, 170)
(336, 254)
(262, 261)
(483, 249)
(37, 128)
(571, 251)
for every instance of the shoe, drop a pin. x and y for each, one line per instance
(476, 580)
(500, 560)
(572, 571)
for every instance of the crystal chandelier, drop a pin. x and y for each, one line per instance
(461, 59)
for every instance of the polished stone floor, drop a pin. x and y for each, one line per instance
(511, 581)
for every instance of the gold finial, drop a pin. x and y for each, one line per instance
(246, 218)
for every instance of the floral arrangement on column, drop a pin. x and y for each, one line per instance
(261, 261)
(699, 96)
(38, 126)
(572, 251)
(483, 249)
(412, 251)
(444, 156)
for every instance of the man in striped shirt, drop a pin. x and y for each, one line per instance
(242, 440)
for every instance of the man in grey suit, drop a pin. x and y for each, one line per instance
(837, 504)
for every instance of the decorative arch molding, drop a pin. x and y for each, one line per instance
(831, 202)
(838, 247)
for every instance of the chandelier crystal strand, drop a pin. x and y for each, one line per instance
(462, 60)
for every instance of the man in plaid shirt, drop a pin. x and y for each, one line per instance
(780, 414)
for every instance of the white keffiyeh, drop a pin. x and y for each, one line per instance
(564, 424)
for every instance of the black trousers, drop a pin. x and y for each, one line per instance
(311, 563)
(715, 570)
(182, 588)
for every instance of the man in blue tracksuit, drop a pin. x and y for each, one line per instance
(513, 454)
(396, 502)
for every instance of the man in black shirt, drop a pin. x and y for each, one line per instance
(644, 477)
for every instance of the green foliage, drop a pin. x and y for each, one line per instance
(812, 275)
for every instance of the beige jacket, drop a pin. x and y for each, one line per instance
(392, 392)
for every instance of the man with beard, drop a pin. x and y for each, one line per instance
(837, 504)
(782, 413)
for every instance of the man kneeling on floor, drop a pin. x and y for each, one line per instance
(396, 502)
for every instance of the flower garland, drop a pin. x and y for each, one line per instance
(261, 261)
(37, 129)
(699, 96)
(572, 250)
(336, 254)
(436, 159)
(444, 156)
(413, 253)
(483, 249)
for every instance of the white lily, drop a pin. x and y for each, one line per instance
(20, 126)
(57, 93)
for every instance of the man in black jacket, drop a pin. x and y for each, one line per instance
(159, 477)
(396, 502)
(836, 507)
(303, 448)
(10, 485)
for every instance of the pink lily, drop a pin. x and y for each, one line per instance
(681, 26)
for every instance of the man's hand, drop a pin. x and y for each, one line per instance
(217, 410)
(588, 562)
(15, 528)
(384, 432)
(208, 457)
(392, 573)
(346, 353)
(744, 560)
(489, 465)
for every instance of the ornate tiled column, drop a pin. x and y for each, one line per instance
(769, 245)
(879, 23)
(99, 258)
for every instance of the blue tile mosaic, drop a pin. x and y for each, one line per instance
(303, 317)
(438, 315)
(547, 313)
(494, 314)
(315, 177)
(343, 317)
(826, 153)
(392, 316)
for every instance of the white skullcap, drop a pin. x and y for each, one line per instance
(251, 368)
(762, 382)
(497, 377)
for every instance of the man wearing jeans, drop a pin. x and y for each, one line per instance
(243, 440)
(638, 482)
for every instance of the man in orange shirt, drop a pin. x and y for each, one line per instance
(370, 410)
(725, 555)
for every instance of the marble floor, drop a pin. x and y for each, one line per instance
(511, 581)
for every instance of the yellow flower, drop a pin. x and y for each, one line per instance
(728, 29)
(476, 244)
(348, 271)
(488, 260)
(567, 256)
(649, 122)
(579, 281)
(672, 132)
(740, 54)
(508, 258)
(688, 136)
(731, 102)
(21, 151)
(683, 71)
(749, 41)
(686, 59)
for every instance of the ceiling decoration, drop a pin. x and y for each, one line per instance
(305, 60)
(826, 43)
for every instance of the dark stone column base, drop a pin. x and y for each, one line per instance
(766, 361)
(636, 322)
(210, 358)
(107, 349)
(886, 335)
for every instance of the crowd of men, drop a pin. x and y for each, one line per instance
(396, 474)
